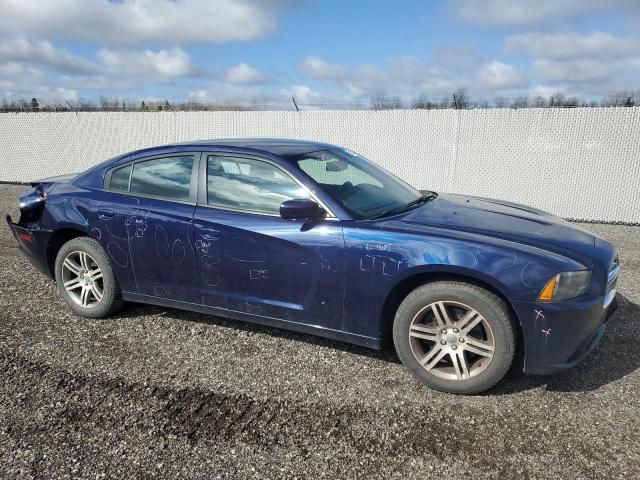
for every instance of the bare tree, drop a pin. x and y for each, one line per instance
(520, 102)
(109, 104)
(461, 98)
(501, 102)
(422, 102)
(622, 99)
(539, 102)
(556, 99)
(85, 105)
(572, 101)
(381, 101)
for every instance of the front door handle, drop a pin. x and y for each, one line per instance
(209, 233)
(105, 214)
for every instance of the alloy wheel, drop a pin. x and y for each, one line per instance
(82, 279)
(451, 340)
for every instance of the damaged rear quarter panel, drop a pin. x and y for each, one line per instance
(66, 208)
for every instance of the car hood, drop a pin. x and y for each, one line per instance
(503, 220)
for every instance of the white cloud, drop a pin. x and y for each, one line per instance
(247, 95)
(599, 60)
(318, 68)
(18, 82)
(243, 73)
(567, 46)
(458, 56)
(408, 77)
(530, 12)
(13, 68)
(146, 64)
(364, 80)
(130, 22)
(163, 64)
(227, 93)
(41, 52)
(500, 76)
(302, 94)
(36, 67)
(407, 69)
(96, 83)
(576, 71)
(544, 91)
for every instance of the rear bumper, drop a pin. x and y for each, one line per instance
(32, 242)
(559, 336)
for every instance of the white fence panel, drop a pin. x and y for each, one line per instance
(581, 163)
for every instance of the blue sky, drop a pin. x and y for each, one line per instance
(323, 52)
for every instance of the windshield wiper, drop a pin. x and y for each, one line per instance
(418, 201)
(423, 199)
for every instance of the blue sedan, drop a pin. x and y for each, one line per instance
(313, 237)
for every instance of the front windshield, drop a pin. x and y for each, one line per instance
(360, 187)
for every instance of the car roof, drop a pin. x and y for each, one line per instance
(276, 146)
(282, 147)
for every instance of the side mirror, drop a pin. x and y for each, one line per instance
(301, 209)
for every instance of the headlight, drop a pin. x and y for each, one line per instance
(565, 285)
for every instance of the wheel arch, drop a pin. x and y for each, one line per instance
(57, 239)
(416, 278)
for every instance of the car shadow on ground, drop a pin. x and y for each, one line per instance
(617, 356)
(135, 310)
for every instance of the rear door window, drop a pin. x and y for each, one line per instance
(168, 177)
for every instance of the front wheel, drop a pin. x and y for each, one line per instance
(455, 337)
(85, 278)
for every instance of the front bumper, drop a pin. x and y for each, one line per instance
(560, 335)
(33, 243)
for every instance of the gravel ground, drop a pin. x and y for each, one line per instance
(160, 393)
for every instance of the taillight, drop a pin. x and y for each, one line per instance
(32, 197)
(32, 203)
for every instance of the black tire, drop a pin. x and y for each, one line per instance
(491, 307)
(111, 300)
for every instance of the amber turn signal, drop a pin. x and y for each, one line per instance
(549, 289)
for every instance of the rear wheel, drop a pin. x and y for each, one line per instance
(85, 278)
(455, 337)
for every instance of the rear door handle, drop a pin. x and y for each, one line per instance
(209, 233)
(105, 214)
